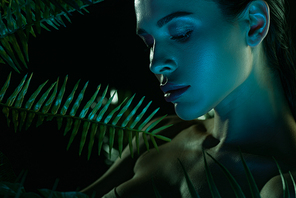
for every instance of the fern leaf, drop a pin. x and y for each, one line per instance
(78, 100)
(154, 142)
(68, 125)
(58, 5)
(120, 141)
(38, 106)
(253, 187)
(58, 101)
(213, 188)
(24, 41)
(151, 126)
(192, 191)
(43, 98)
(137, 143)
(111, 139)
(89, 103)
(11, 38)
(286, 192)
(74, 132)
(120, 114)
(7, 58)
(235, 186)
(66, 105)
(130, 142)
(47, 105)
(138, 118)
(12, 98)
(3, 29)
(133, 112)
(148, 119)
(294, 184)
(86, 126)
(98, 105)
(5, 87)
(15, 116)
(10, 20)
(25, 115)
(146, 141)
(108, 118)
(73, 4)
(103, 111)
(33, 97)
(38, 15)
(93, 133)
(19, 103)
(49, 102)
(19, 21)
(70, 99)
(29, 104)
(103, 129)
(8, 49)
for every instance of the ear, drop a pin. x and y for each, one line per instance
(258, 16)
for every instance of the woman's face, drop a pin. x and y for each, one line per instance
(194, 48)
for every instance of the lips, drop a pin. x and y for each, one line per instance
(173, 91)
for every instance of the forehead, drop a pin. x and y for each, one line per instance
(148, 11)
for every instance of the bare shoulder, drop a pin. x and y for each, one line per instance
(274, 187)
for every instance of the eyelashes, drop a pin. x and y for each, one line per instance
(182, 37)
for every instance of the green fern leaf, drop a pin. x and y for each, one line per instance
(235, 186)
(192, 191)
(103, 129)
(213, 188)
(294, 184)
(26, 114)
(133, 112)
(86, 126)
(66, 105)
(286, 192)
(93, 133)
(38, 16)
(5, 87)
(111, 139)
(103, 111)
(58, 102)
(12, 98)
(98, 105)
(253, 187)
(130, 142)
(108, 118)
(89, 103)
(78, 101)
(120, 141)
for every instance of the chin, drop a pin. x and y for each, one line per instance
(187, 113)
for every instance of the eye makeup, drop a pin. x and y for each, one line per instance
(180, 30)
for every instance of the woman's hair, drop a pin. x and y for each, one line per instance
(278, 44)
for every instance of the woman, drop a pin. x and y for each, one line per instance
(231, 56)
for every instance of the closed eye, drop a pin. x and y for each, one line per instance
(182, 37)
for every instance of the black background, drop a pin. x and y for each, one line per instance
(100, 47)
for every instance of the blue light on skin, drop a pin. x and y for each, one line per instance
(225, 66)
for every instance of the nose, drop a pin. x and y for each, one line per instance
(160, 61)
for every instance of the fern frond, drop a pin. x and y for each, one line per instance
(17, 18)
(48, 106)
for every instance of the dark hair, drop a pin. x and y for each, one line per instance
(278, 44)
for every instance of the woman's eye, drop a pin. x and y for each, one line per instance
(182, 37)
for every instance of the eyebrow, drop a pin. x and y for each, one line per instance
(165, 20)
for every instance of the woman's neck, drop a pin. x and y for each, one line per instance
(256, 116)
